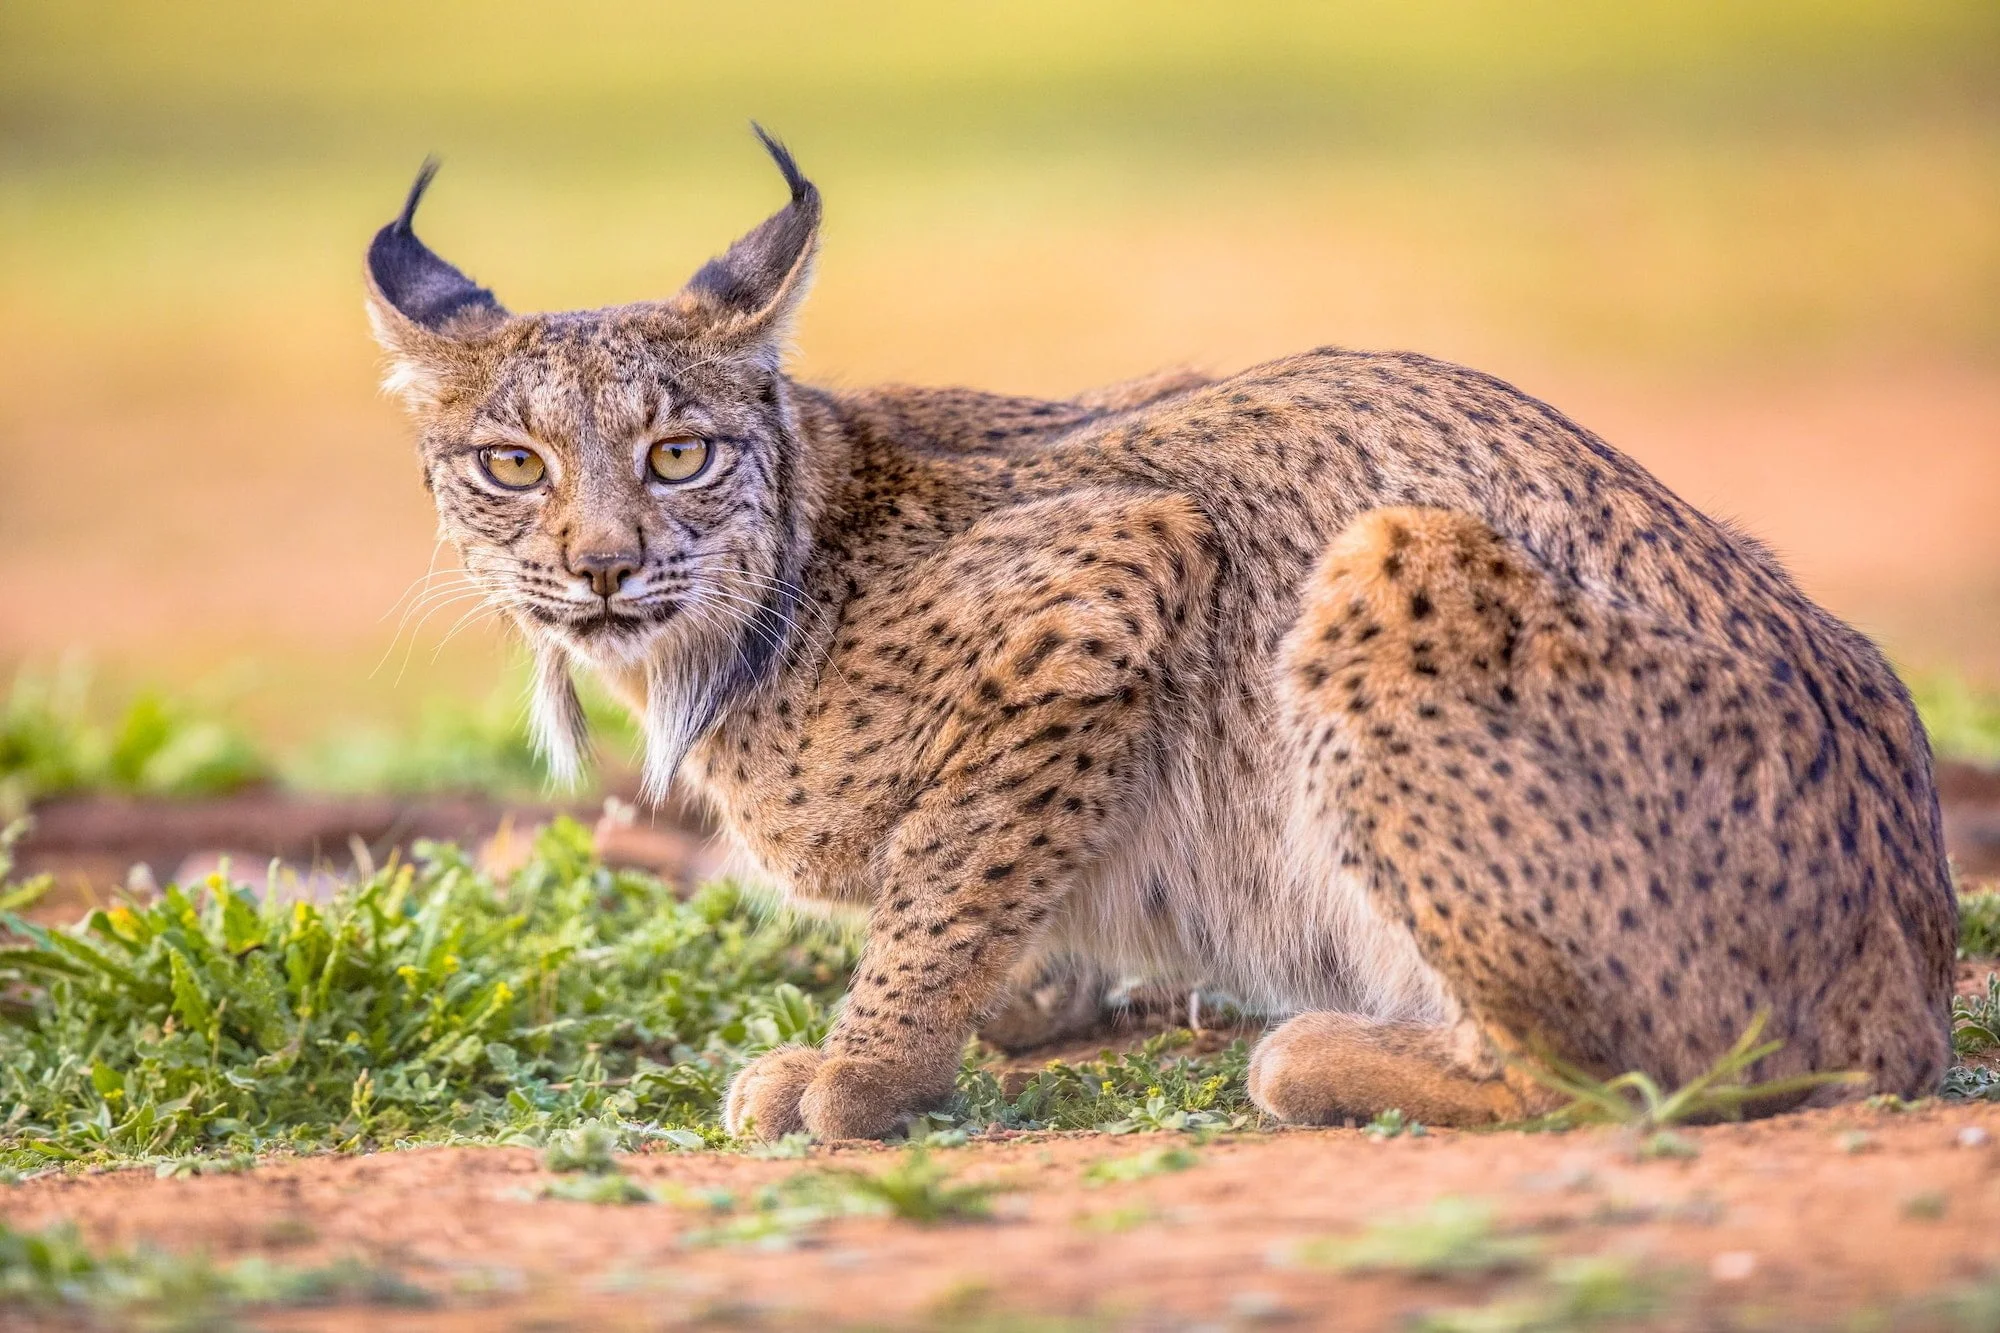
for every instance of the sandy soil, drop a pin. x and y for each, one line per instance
(1793, 1223)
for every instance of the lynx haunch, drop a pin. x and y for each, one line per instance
(1360, 685)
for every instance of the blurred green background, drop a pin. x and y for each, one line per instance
(1755, 244)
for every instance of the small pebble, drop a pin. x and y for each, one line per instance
(1732, 1265)
(1566, 1179)
(1972, 1136)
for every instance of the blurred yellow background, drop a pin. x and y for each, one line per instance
(1755, 244)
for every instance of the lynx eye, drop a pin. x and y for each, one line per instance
(678, 457)
(512, 466)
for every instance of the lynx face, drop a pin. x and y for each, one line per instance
(619, 481)
(610, 484)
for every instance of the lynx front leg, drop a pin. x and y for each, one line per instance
(970, 878)
(1047, 732)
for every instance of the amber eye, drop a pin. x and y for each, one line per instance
(513, 467)
(678, 457)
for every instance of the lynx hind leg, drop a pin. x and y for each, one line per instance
(1050, 1000)
(1326, 1068)
(1571, 808)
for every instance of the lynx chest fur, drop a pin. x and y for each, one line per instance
(1363, 686)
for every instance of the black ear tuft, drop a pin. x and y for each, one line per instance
(755, 271)
(803, 190)
(423, 287)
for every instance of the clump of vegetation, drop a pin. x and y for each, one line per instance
(1393, 1124)
(1149, 1089)
(586, 1169)
(53, 741)
(56, 738)
(1456, 1239)
(1665, 1145)
(435, 1002)
(1979, 925)
(1975, 1019)
(1139, 1166)
(1636, 1101)
(1598, 1291)
(52, 1270)
(429, 1001)
(1970, 1083)
(916, 1189)
(456, 746)
(1963, 721)
(1449, 1238)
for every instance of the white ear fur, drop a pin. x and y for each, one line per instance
(408, 373)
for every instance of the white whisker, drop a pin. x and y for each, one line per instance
(457, 595)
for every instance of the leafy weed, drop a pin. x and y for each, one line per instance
(918, 1189)
(1975, 1019)
(52, 1270)
(1979, 925)
(1572, 1296)
(1139, 1166)
(430, 1002)
(1450, 1238)
(1635, 1100)
(1392, 1124)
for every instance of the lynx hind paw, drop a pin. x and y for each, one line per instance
(763, 1099)
(1323, 1068)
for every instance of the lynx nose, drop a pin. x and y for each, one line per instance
(606, 570)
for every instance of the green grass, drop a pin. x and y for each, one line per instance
(456, 746)
(434, 1002)
(60, 736)
(565, 1004)
(919, 1189)
(1979, 925)
(428, 1002)
(1450, 1238)
(1139, 1166)
(53, 741)
(1962, 718)
(1571, 1295)
(52, 1272)
(1975, 1019)
(1636, 1101)
(1455, 1240)
(915, 1188)
(1393, 1124)
(1151, 1088)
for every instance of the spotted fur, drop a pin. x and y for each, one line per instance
(1363, 686)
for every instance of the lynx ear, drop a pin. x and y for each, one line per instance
(421, 306)
(754, 290)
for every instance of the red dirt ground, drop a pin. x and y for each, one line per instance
(1798, 1222)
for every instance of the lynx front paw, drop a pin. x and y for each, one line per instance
(764, 1096)
(852, 1097)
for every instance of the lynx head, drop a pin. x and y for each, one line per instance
(622, 482)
